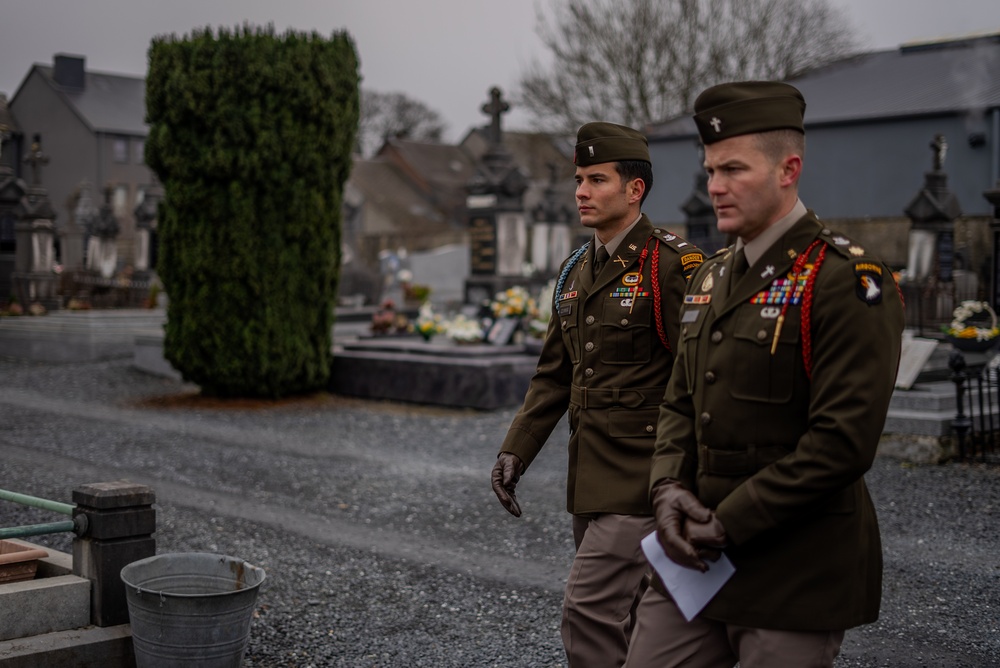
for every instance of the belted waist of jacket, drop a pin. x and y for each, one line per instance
(738, 462)
(626, 397)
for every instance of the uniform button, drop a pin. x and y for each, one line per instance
(716, 337)
(761, 335)
(590, 320)
(624, 321)
(649, 428)
(588, 373)
(827, 231)
(706, 419)
(684, 330)
(709, 377)
(589, 346)
(565, 324)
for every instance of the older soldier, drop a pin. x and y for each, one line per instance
(789, 347)
(606, 358)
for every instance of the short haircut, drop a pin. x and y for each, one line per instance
(636, 169)
(776, 144)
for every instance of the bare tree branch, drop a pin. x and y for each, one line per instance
(645, 61)
(385, 115)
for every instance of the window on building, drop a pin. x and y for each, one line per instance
(119, 148)
(139, 150)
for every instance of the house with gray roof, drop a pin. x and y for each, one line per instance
(870, 120)
(92, 127)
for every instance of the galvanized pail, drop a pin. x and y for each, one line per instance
(190, 609)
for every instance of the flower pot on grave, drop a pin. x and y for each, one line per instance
(971, 345)
(18, 562)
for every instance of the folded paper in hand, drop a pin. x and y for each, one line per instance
(690, 589)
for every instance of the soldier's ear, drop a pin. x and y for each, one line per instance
(790, 170)
(635, 190)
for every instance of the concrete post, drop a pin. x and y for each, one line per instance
(120, 526)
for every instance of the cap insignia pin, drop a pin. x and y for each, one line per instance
(716, 123)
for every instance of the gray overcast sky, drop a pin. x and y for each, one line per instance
(445, 53)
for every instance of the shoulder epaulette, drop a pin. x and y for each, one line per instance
(691, 255)
(678, 244)
(843, 244)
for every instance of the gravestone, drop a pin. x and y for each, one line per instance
(915, 354)
(145, 230)
(71, 235)
(12, 190)
(102, 245)
(933, 212)
(700, 220)
(498, 235)
(443, 270)
(552, 235)
(993, 197)
(33, 278)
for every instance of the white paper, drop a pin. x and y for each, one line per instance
(691, 589)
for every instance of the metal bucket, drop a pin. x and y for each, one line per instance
(190, 609)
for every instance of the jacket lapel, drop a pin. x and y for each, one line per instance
(776, 263)
(628, 252)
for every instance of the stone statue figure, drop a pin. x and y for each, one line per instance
(940, 147)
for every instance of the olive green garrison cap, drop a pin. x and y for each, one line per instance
(607, 142)
(747, 107)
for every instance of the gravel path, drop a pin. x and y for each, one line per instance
(383, 543)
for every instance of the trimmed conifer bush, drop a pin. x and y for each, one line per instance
(250, 134)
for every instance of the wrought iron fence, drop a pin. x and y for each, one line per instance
(99, 292)
(930, 303)
(977, 400)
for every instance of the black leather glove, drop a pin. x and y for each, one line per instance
(506, 472)
(708, 538)
(674, 506)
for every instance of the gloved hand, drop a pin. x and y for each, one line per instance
(673, 506)
(708, 538)
(506, 472)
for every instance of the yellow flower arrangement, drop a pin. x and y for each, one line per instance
(428, 322)
(514, 302)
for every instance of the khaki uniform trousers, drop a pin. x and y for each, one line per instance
(605, 584)
(664, 639)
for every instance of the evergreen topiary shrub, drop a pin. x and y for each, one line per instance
(250, 134)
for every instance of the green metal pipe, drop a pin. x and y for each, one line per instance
(37, 529)
(35, 502)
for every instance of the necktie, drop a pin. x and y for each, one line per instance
(740, 266)
(599, 261)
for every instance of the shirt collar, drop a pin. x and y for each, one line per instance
(756, 248)
(616, 241)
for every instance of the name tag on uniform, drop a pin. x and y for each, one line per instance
(689, 316)
(565, 309)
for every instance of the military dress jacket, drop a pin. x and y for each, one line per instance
(779, 455)
(603, 360)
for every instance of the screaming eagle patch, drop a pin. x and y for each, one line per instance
(869, 285)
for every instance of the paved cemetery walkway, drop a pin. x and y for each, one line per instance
(383, 543)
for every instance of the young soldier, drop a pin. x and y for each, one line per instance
(606, 359)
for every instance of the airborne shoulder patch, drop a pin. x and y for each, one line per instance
(869, 282)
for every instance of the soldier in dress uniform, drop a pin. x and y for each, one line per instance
(790, 342)
(606, 359)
